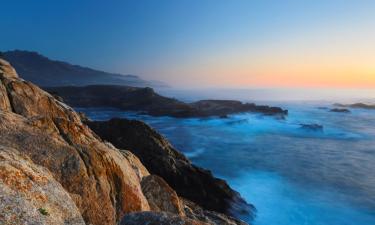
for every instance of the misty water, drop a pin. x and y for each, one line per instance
(293, 176)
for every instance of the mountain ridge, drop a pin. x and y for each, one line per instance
(44, 71)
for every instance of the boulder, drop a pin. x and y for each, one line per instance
(160, 196)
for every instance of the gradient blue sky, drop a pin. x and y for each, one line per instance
(201, 43)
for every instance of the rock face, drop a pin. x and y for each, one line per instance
(160, 158)
(30, 195)
(99, 179)
(146, 100)
(157, 218)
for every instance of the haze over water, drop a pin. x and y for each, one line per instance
(292, 175)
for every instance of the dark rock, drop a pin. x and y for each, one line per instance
(146, 100)
(338, 110)
(194, 211)
(157, 218)
(160, 158)
(312, 127)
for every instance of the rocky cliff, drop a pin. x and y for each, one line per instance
(160, 158)
(55, 170)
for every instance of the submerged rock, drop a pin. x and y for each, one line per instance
(312, 127)
(160, 158)
(339, 110)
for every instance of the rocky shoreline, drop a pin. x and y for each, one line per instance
(147, 101)
(55, 170)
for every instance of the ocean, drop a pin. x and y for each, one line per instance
(293, 175)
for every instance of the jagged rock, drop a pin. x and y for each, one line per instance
(6, 70)
(161, 196)
(30, 195)
(195, 212)
(158, 218)
(160, 158)
(99, 179)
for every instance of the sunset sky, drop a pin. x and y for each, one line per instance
(204, 43)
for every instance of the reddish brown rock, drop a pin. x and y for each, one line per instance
(161, 196)
(99, 178)
(30, 195)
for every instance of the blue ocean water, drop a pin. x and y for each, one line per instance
(293, 176)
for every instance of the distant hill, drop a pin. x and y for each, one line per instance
(43, 71)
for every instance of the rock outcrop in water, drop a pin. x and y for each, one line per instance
(356, 105)
(146, 100)
(340, 110)
(160, 158)
(312, 127)
(55, 170)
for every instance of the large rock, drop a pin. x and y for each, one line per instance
(99, 179)
(30, 195)
(158, 218)
(161, 196)
(160, 158)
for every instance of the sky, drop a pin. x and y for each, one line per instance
(204, 43)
